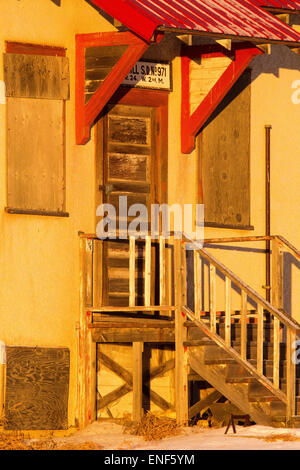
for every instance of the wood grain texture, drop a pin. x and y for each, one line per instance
(225, 159)
(35, 154)
(36, 76)
(37, 388)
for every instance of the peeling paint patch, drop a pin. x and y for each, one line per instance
(2, 92)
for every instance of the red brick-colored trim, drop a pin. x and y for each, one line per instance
(242, 53)
(87, 113)
(34, 49)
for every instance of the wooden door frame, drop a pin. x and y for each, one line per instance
(139, 97)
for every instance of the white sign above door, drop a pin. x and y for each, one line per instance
(150, 75)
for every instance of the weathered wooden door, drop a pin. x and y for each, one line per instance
(129, 169)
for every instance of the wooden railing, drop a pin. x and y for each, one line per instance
(171, 278)
(266, 314)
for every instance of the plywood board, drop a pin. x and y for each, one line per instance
(225, 159)
(35, 154)
(37, 388)
(36, 76)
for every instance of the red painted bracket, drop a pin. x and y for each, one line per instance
(87, 113)
(242, 54)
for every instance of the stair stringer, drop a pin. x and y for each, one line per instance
(236, 393)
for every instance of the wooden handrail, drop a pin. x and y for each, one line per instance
(248, 366)
(282, 316)
(291, 247)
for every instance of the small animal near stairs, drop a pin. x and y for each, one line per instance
(246, 355)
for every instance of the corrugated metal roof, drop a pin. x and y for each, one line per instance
(240, 18)
(279, 4)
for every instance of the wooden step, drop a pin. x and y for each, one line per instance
(251, 331)
(257, 392)
(236, 373)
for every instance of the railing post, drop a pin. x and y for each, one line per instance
(228, 311)
(181, 382)
(277, 274)
(244, 325)
(131, 271)
(260, 339)
(277, 301)
(147, 296)
(162, 270)
(197, 283)
(212, 297)
(290, 377)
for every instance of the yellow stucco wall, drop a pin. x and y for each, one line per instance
(39, 256)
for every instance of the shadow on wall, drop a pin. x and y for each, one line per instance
(288, 262)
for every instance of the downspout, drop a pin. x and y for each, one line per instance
(268, 210)
(2, 379)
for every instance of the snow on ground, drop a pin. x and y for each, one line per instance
(111, 437)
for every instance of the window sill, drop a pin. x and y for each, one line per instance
(11, 210)
(234, 227)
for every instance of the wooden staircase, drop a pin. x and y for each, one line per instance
(235, 382)
(247, 353)
(249, 359)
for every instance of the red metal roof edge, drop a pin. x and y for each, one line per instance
(143, 22)
(128, 16)
(277, 5)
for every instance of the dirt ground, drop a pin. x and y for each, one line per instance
(110, 436)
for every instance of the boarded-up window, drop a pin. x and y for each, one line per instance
(37, 86)
(224, 145)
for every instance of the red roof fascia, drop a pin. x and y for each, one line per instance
(240, 18)
(278, 4)
(134, 19)
(192, 123)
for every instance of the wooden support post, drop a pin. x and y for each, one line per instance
(147, 297)
(162, 270)
(260, 339)
(244, 325)
(213, 308)
(290, 377)
(132, 272)
(276, 352)
(181, 373)
(86, 406)
(228, 311)
(98, 273)
(90, 375)
(81, 337)
(137, 377)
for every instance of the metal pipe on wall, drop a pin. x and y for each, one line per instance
(268, 207)
(2, 378)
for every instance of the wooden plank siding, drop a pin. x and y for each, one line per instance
(99, 62)
(224, 152)
(204, 74)
(35, 156)
(36, 76)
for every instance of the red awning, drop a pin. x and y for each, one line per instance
(279, 4)
(227, 18)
